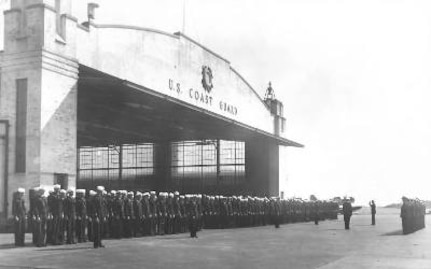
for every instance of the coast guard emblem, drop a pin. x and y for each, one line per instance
(207, 78)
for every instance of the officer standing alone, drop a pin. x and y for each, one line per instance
(347, 212)
(373, 212)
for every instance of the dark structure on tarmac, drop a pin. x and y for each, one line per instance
(412, 215)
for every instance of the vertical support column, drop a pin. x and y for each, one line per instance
(218, 171)
(162, 166)
(120, 165)
(256, 166)
(262, 175)
(273, 168)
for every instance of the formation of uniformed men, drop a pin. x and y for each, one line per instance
(412, 215)
(62, 218)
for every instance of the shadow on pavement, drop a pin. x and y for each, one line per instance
(55, 249)
(397, 232)
(12, 245)
(5, 246)
(173, 238)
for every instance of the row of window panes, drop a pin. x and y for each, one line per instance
(140, 155)
(113, 174)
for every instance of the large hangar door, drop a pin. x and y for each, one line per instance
(4, 134)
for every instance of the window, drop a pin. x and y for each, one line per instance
(103, 163)
(194, 163)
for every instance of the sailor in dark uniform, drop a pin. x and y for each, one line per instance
(373, 212)
(59, 223)
(405, 208)
(316, 212)
(154, 213)
(177, 212)
(19, 213)
(275, 211)
(70, 217)
(129, 214)
(81, 215)
(41, 217)
(193, 215)
(138, 209)
(347, 212)
(163, 212)
(146, 213)
(97, 215)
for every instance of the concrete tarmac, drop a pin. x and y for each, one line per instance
(297, 246)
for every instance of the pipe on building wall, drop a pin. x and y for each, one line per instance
(6, 165)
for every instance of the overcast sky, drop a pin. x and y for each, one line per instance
(354, 77)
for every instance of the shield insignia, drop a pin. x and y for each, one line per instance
(207, 78)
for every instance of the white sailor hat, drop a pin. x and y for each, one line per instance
(81, 191)
(63, 191)
(92, 193)
(188, 196)
(153, 192)
(138, 193)
(57, 187)
(130, 193)
(21, 190)
(182, 196)
(100, 188)
(70, 190)
(36, 188)
(199, 195)
(171, 194)
(146, 194)
(176, 193)
(112, 192)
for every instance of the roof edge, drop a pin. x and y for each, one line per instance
(179, 34)
(132, 27)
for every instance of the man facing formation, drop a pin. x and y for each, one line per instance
(347, 212)
(373, 212)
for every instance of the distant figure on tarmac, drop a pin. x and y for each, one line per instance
(347, 212)
(316, 212)
(373, 212)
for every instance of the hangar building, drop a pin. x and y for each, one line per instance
(83, 104)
